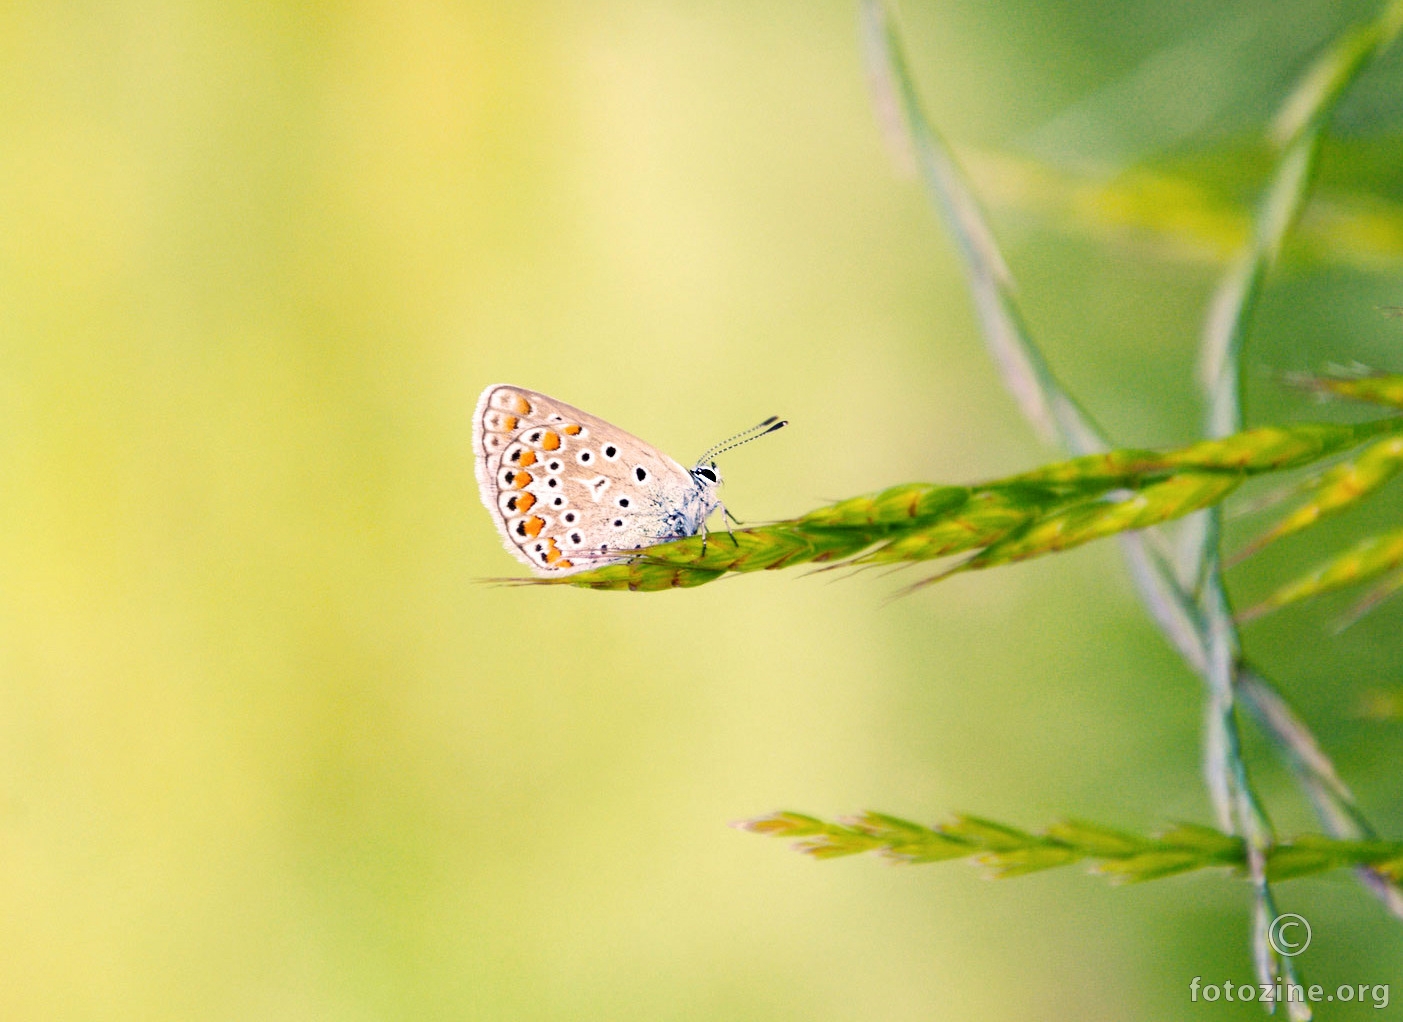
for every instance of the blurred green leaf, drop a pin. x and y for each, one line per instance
(1191, 209)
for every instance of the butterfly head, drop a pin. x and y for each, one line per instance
(707, 476)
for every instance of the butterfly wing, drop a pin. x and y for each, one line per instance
(568, 490)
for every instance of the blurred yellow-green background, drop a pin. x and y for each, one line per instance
(270, 749)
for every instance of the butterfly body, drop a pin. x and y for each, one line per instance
(568, 490)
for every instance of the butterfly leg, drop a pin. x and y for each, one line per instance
(725, 514)
(704, 533)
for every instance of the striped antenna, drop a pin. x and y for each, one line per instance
(771, 424)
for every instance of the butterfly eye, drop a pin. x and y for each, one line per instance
(708, 474)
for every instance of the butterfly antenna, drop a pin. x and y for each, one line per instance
(755, 432)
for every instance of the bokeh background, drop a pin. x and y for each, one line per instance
(269, 747)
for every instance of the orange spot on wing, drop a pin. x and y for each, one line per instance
(572, 430)
(527, 458)
(508, 423)
(525, 502)
(552, 554)
(521, 480)
(533, 526)
(565, 564)
(520, 405)
(551, 441)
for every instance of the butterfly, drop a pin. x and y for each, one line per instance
(569, 491)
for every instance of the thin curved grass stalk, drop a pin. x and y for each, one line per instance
(1329, 796)
(1026, 374)
(1203, 630)
(1003, 851)
(1178, 616)
(1333, 800)
(1299, 130)
(1362, 385)
(1341, 487)
(1225, 769)
(1025, 371)
(1367, 559)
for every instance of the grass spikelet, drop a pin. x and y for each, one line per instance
(1340, 487)
(1003, 851)
(1367, 386)
(1052, 508)
(1370, 558)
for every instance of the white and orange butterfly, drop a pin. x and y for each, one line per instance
(569, 491)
